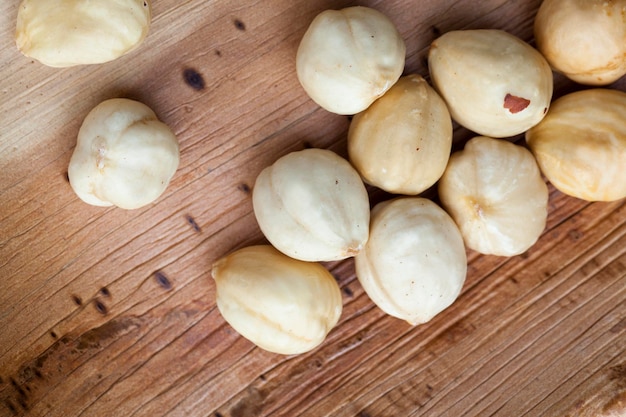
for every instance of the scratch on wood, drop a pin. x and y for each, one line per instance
(239, 25)
(162, 280)
(618, 373)
(77, 300)
(244, 187)
(194, 79)
(11, 407)
(250, 405)
(36, 377)
(100, 307)
(348, 292)
(192, 223)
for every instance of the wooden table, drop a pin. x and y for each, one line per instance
(106, 312)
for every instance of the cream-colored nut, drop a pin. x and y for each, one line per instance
(494, 191)
(280, 304)
(348, 58)
(581, 144)
(312, 205)
(64, 33)
(583, 39)
(494, 83)
(124, 156)
(402, 142)
(414, 264)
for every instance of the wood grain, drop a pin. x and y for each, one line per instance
(106, 312)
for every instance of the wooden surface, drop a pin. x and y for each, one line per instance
(105, 312)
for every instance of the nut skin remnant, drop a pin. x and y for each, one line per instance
(124, 156)
(348, 58)
(494, 83)
(414, 264)
(402, 142)
(580, 145)
(515, 104)
(65, 33)
(312, 205)
(583, 39)
(494, 191)
(280, 304)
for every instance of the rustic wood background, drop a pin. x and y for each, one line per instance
(106, 312)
